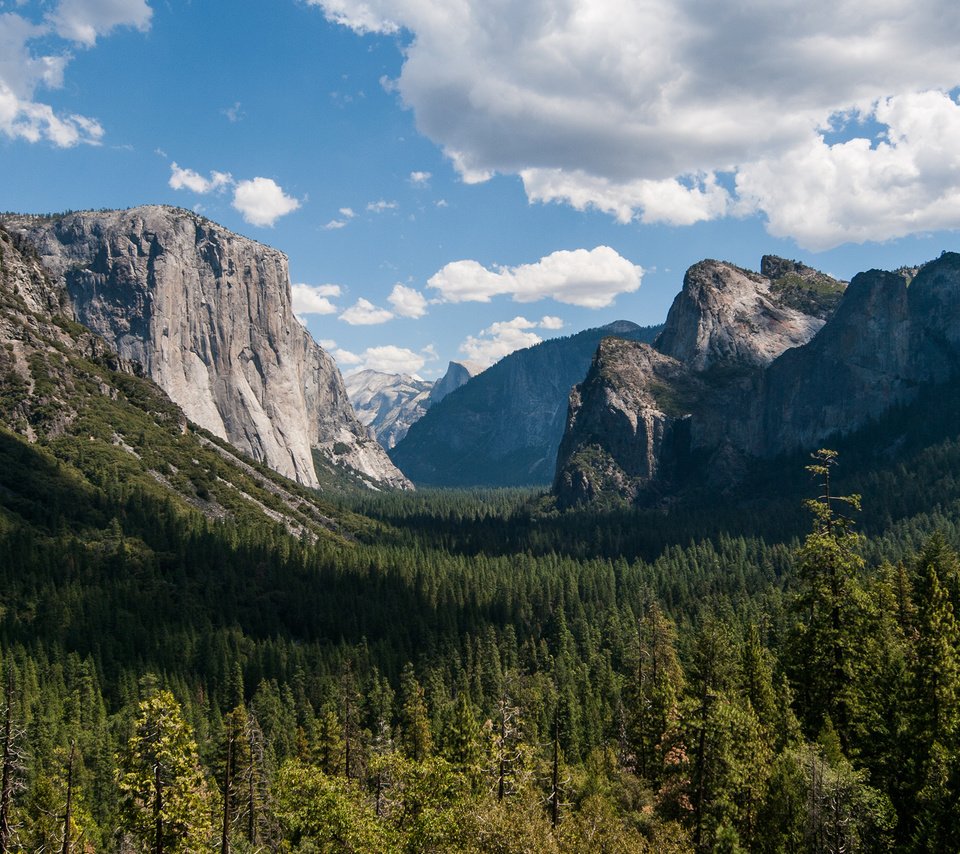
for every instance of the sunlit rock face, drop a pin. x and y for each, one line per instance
(207, 314)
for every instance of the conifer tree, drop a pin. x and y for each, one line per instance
(827, 608)
(164, 793)
(416, 740)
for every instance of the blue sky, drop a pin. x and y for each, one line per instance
(453, 180)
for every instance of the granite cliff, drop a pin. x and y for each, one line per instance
(709, 393)
(207, 315)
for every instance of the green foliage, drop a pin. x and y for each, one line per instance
(164, 794)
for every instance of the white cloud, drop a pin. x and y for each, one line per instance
(420, 179)
(347, 212)
(387, 357)
(636, 109)
(550, 322)
(261, 201)
(407, 302)
(592, 279)
(358, 16)
(381, 206)
(823, 195)
(673, 201)
(392, 359)
(365, 313)
(23, 71)
(499, 340)
(314, 299)
(188, 179)
(335, 224)
(345, 357)
(82, 21)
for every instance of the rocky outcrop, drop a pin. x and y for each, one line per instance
(644, 414)
(890, 336)
(207, 314)
(619, 433)
(503, 427)
(458, 374)
(727, 315)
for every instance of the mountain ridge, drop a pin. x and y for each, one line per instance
(887, 336)
(503, 427)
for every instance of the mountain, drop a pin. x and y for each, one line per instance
(503, 427)
(738, 378)
(207, 315)
(458, 374)
(79, 431)
(389, 403)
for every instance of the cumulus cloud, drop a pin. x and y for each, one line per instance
(365, 313)
(653, 110)
(591, 279)
(502, 338)
(314, 299)
(407, 302)
(551, 322)
(334, 224)
(261, 201)
(420, 179)
(824, 195)
(381, 206)
(388, 358)
(70, 23)
(188, 179)
(393, 360)
(82, 21)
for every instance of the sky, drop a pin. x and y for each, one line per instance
(454, 179)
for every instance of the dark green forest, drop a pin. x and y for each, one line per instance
(477, 672)
(197, 655)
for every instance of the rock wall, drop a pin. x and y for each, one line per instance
(207, 314)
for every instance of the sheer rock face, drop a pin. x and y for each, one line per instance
(458, 373)
(643, 414)
(728, 315)
(503, 427)
(207, 314)
(618, 435)
(742, 387)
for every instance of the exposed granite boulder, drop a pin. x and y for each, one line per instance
(207, 314)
